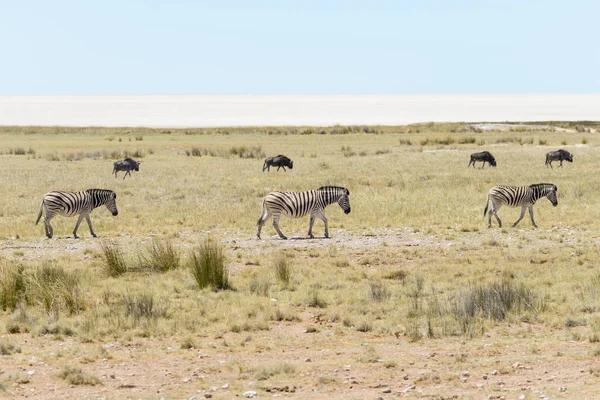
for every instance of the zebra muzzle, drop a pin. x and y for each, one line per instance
(115, 213)
(347, 211)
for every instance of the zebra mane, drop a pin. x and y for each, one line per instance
(543, 185)
(335, 188)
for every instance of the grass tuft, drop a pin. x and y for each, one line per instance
(208, 266)
(113, 261)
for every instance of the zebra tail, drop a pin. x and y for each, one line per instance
(262, 214)
(487, 203)
(40, 213)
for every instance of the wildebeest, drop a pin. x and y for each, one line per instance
(279, 161)
(126, 165)
(484, 156)
(558, 155)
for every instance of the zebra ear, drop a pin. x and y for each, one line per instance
(347, 192)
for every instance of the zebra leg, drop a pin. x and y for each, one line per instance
(261, 221)
(531, 215)
(494, 211)
(276, 226)
(521, 217)
(48, 228)
(322, 217)
(89, 222)
(310, 226)
(77, 225)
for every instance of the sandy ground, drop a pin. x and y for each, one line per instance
(520, 361)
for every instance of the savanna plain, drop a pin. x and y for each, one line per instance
(412, 296)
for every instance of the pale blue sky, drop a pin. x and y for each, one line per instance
(299, 47)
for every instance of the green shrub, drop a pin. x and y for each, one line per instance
(113, 260)
(208, 266)
(12, 286)
(160, 255)
(282, 270)
(75, 376)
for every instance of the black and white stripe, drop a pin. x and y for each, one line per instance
(518, 196)
(299, 204)
(69, 204)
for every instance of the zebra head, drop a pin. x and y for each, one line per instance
(552, 195)
(111, 202)
(344, 201)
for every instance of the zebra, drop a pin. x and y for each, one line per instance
(558, 155)
(69, 204)
(515, 196)
(299, 204)
(126, 165)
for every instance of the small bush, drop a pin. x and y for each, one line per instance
(75, 376)
(467, 140)
(406, 142)
(142, 305)
(282, 270)
(139, 138)
(12, 286)
(160, 255)
(208, 266)
(113, 262)
(6, 349)
(247, 152)
(55, 289)
(543, 142)
(379, 292)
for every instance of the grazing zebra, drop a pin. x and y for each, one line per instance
(69, 204)
(558, 155)
(299, 204)
(126, 165)
(519, 196)
(279, 161)
(484, 156)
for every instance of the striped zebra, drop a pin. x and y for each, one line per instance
(69, 204)
(299, 204)
(518, 196)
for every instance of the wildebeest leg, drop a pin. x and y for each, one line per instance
(115, 172)
(89, 222)
(561, 163)
(482, 164)
(261, 221)
(521, 217)
(276, 226)
(81, 216)
(531, 215)
(127, 172)
(551, 167)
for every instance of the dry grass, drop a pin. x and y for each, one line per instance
(411, 270)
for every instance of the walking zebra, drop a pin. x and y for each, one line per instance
(69, 204)
(299, 204)
(519, 196)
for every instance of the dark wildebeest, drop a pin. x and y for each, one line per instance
(280, 161)
(126, 165)
(483, 156)
(558, 155)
